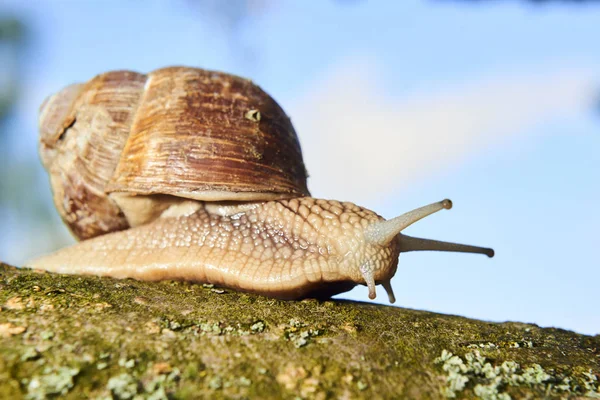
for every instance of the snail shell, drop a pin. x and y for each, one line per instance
(180, 132)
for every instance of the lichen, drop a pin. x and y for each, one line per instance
(299, 333)
(123, 386)
(493, 382)
(52, 382)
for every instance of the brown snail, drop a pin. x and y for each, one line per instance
(198, 175)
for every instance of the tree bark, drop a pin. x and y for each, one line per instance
(81, 336)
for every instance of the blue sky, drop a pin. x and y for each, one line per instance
(397, 104)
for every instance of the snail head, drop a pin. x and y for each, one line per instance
(383, 242)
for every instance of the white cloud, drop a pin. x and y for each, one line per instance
(359, 139)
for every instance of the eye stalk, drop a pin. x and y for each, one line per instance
(409, 243)
(382, 233)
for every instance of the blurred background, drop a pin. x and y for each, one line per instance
(494, 104)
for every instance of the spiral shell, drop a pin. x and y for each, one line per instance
(174, 133)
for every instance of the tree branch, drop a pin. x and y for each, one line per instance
(95, 337)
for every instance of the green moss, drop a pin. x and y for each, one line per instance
(181, 340)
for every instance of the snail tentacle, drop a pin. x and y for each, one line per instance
(409, 243)
(384, 232)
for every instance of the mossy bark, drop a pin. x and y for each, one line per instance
(77, 337)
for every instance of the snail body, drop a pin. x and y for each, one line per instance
(283, 248)
(197, 175)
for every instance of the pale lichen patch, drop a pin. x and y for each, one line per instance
(52, 382)
(493, 382)
(123, 386)
(299, 333)
(30, 354)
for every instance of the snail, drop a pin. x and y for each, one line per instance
(189, 174)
